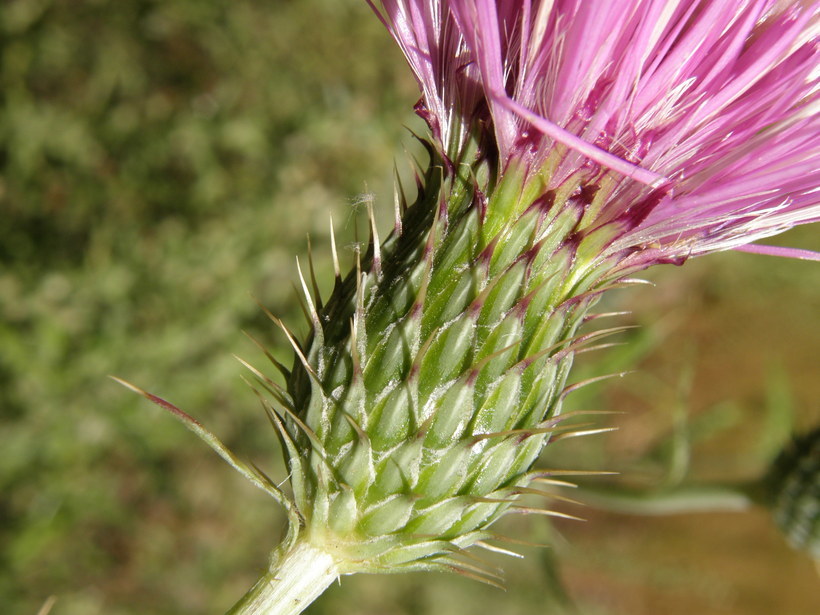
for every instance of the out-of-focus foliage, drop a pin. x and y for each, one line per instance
(161, 161)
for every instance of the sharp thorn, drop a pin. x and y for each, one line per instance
(585, 432)
(518, 541)
(314, 315)
(280, 368)
(501, 550)
(165, 405)
(376, 242)
(397, 201)
(472, 575)
(554, 482)
(574, 387)
(536, 474)
(337, 270)
(301, 301)
(216, 445)
(313, 282)
(544, 494)
(357, 428)
(529, 510)
(278, 322)
(591, 317)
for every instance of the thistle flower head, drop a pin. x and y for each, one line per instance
(696, 121)
(573, 141)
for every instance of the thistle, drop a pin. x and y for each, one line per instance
(792, 491)
(572, 144)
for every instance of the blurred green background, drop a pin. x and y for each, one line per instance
(162, 163)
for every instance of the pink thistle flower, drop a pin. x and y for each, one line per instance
(573, 142)
(697, 120)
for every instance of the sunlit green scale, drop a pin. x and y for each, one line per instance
(459, 331)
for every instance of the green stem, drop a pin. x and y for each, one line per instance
(294, 581)
(681, 500)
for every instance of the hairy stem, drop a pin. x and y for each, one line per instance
(294, 581)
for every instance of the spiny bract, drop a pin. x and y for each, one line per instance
(434, 375)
